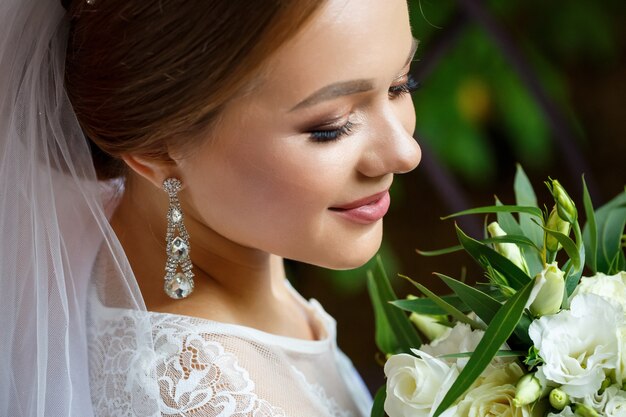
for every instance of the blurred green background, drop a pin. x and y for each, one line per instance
(538, 83)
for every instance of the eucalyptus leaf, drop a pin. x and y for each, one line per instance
(495, 336)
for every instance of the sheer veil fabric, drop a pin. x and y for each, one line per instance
(54, 309)
(53, 222)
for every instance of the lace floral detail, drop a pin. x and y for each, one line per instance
(194, 375)
(197, 376)
(120, 375)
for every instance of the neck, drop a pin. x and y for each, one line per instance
(227, 274)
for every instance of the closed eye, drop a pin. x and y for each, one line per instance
(329, 135)
(407, 87)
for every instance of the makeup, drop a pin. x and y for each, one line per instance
(367, 210)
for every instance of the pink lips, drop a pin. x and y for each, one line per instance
(365, 210)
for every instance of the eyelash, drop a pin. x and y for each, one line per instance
(332, 134)
(411, 85)
(395, 91)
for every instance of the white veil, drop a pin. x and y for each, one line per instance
(53, 220)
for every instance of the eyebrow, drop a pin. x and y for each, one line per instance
(345, 88)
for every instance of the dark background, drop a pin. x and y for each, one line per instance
(538, 83)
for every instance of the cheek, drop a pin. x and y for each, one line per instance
(282, 180)
(277, 199)
(248, 191)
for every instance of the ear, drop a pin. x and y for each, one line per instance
(155, 171)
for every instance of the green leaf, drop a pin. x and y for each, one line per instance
(524, 192)
(576, 254)
(439, 252)
(610, 221)
(395, 321)
(428, 306)
(517, 239)
(590, 232)
(385, 339)
(483, 305)
(534, 211)
(449, 309)
(511, 227)
(495, 336)
(510, 238)
(616, 264)
(499, 354)
(612, 231)
(507, 221)
(485, 256)
(379, 402)
(532, 358)
(525, 196)
(569, 246)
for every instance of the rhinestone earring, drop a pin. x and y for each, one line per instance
(178, 274)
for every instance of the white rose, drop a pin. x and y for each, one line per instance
(578, 345)
(616, 406)
(493, 395)
(416, 386)
(460, 339)
(610, 287)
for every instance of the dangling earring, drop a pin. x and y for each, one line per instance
(178, 283)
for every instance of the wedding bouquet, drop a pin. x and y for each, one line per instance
(536, 339)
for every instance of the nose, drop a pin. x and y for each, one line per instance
(390, 147)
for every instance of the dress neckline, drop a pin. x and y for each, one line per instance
(322, 323)
(270, 339)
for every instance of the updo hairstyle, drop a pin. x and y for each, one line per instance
(152, 75)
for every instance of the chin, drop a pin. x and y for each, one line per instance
(351, 256)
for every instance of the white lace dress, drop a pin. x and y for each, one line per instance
(195, 367)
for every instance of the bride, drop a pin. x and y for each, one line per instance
(158, 160)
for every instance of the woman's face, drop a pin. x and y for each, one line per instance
(328, 124)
